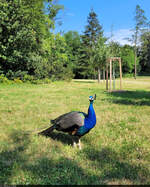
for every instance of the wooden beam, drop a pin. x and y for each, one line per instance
(110, 60)
(107, 76)
(120, 74)
(110, 74)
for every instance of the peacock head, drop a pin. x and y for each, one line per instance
(92, 98)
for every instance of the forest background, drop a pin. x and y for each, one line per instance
(30, 50)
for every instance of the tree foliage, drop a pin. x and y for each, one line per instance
(93, 31)
(30, 48)
(26, 44)
(127, 57)
(73, 44)
(145, 53)
(140, 23)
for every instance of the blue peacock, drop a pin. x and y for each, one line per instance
(76, 123)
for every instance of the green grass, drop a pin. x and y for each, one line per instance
(116, 151)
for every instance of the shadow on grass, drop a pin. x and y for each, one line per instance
(44, 170)
(138, 98)
(63, 170)
(59, 136)
(114, 167)
(9, 158)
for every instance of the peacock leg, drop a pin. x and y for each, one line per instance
(74, 144)
(74, 141)
(79, 144)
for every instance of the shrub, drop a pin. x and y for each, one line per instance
(14, 75)
(67, 75)
(42, 81)
(38, 81)
(46, 81)
(28, 78)
(128, 75)
(4, 79)
(18, 81)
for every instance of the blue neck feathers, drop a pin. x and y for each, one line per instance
(90, 120)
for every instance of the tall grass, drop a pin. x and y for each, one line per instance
(116, 151)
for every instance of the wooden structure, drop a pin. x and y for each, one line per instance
(110, 60)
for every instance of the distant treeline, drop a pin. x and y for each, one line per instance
(28, 45)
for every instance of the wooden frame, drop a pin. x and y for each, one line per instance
(110, 60)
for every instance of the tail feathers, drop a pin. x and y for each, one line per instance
(47, 131)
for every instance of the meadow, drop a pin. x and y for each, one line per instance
(116, 151)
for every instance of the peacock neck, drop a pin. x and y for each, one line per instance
(91, 112)
(90, 120)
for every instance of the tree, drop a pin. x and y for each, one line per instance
(127, 57)
(59, 59)
(73, 42)
(114, 50)
(140, 23)
(93, 30)
(100, 56)
(52, 9)
(16, 37)
(24, 27)
(145, 53)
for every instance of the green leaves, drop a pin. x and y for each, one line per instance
(93, 30)
(25, 41)
(145, 53)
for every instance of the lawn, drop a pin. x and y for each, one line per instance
(116, 151)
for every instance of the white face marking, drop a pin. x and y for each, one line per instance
(91, 98)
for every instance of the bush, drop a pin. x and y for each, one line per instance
(33, 80)
(28, 78)
(4, 79)
(128, 75)
(42, 81)
(38, 81)
(18, 81)
(46, 81)
(15, 75)
(67, 75)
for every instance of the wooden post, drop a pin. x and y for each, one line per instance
(110, 74)
(110, 60)
(113, 76)
(120, 74)
(107, 76)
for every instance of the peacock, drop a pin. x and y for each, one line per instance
(76, 123)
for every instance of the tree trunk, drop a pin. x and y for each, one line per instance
(95, 74)
(99, 75)
(135, 64)
(104, 75)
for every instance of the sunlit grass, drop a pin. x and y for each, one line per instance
(116, 151)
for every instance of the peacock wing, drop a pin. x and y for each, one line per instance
(70, 119)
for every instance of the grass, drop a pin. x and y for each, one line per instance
(116, 151)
